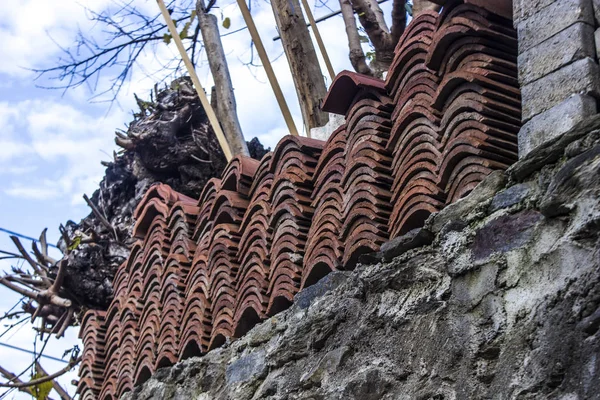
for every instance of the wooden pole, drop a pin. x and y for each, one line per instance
(315, 29)
(190, 68)
(268, 69)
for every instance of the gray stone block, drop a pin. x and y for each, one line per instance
(553, 19)
(463, 208)
(572, 44)
(511, 196)
(554, 122)
(596, 4)
(580, 77)
(416, 238)
(523, 9)
(246, 368)
(328, 283)
(597, 42)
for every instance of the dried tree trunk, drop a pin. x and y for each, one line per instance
(383, 39)
(303, 61)
(226, 107)
(379, 15)
(422, 5)
(357, 55)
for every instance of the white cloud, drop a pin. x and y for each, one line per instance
(34, 193)
(68, 140)
(18, 169)
(10, 150)
(25, 30)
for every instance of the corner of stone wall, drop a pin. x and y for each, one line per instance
(559, 43)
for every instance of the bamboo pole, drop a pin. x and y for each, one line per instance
(322, 48)
(199, 89)
(267, 65)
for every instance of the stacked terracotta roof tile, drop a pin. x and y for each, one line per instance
(207, 270)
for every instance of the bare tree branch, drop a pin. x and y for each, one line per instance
(12, 377)
(44, 379)
(398, 19)
(41, 296)
(59, 389)
(100, 216)
(374, 5)
(126, 33)
(357, 55)
(369, 21)
(34, 264)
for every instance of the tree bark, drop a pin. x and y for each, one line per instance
(302, 58)
(422, 5)
(383, 39)
(357, 55)
(226, 106)
(379, 15)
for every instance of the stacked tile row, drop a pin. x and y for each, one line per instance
(457, 109)
(204, 271)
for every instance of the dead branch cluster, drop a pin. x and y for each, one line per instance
(40, 282)
(166, 110)
(41, 285)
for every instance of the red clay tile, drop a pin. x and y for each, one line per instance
(203, 271)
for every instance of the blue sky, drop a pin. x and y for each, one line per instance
(51, 143)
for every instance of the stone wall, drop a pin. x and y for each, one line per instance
(498, 297)
(558, 66)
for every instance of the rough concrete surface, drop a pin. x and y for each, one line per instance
(503, 304)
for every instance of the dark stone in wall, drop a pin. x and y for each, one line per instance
(505, 233)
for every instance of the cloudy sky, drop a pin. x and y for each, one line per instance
(52, 142)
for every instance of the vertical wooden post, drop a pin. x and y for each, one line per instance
(264, 59)
(190, 68)
(320, 43)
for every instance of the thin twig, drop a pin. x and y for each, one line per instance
(27, 257)
(99, 215)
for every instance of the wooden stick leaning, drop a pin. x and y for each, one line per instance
(199, 89)
(268, 69)
(320, 43)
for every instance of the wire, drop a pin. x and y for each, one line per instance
(232, 32)
(31, 352)
(24, 237)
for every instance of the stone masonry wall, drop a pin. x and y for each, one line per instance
(498, 297)
(558, 66)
